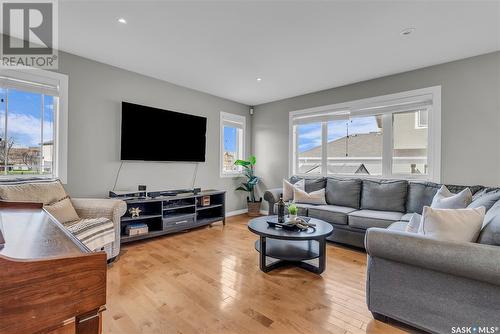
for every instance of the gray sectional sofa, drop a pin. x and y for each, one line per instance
(354, 205)
(434, 285)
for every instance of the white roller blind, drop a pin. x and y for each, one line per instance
(29, 82)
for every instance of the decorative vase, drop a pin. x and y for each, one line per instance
(292, 217)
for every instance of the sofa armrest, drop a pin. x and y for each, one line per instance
(471, 260)
(112, 209)
(272, 196)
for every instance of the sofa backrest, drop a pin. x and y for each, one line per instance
(38, 191)
(343, 192)
(384, 195)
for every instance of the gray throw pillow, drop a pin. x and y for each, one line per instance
(312, 184)
(486, 199)
(384, 195)
(343, 192)
(420, 194)
(490, 233)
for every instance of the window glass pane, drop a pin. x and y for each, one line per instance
(231, 148)
(24, 130)
(308, 148)
(409, 145)
(363, 145)
(48, 135)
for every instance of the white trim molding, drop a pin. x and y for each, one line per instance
(51, 83)
(236, 212)
(384, 106)
(238, 122)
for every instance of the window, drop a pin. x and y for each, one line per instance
(421, 119)
(396, 135)
(232, 143)
(33, 124)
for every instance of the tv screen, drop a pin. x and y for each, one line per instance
(153, 134)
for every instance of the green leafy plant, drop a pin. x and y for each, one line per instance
(252, 180)
(292, 209)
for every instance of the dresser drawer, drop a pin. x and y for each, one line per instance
(181, 222)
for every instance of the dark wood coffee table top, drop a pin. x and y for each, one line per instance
(260, 227)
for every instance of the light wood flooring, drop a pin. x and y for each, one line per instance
(208, 281)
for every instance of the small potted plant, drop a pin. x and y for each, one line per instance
(292, 212)
(249, 185)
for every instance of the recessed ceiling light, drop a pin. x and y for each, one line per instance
(407, 31)
(259, 79)
(122, 20)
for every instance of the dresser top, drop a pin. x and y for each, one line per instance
(33, 234)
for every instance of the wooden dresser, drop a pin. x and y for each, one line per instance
(49, 281)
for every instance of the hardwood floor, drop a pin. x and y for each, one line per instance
(208, 281)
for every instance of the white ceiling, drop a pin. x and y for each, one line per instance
(295, 47)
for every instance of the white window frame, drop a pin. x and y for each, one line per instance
(386, 105)
(239, 122)
(418, 120)
(39, 76)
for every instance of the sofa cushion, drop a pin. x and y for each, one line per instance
(316, 197)
(399, 226)
(384, 195)
(39, 191)
(420, 194)
(311, 184)
(331, 213)
(63, 211)
(288, 189)
(485, 198)
(94, 233)
(372, 218)
(343, 192)
(406, 217)
(460, 225)
(444, 199)
(490, 232)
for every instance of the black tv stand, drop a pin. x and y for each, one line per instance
(171, 214)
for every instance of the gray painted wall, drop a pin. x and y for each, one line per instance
(96, 91)
(470, 152)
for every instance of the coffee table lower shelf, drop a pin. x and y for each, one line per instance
(291, 252)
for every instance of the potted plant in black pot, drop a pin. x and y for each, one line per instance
(249, 185)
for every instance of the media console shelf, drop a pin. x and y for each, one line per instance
(171, 214)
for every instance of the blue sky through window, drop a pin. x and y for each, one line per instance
(310, 134)
(230, 139)
(25, 117)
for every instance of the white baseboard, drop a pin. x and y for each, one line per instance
(264, 212)
(236, 212)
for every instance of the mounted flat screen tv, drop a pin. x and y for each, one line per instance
(152, 134)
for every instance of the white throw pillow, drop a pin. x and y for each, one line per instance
(463, 225)
(444, 199)
(315, 197)
(414, 223)
(288, 188)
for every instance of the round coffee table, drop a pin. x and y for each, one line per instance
(291, 247)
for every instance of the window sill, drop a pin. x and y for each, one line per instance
(231, 175)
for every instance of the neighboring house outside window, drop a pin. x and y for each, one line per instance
(389, 136)
(232, 143)
(33, 124)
